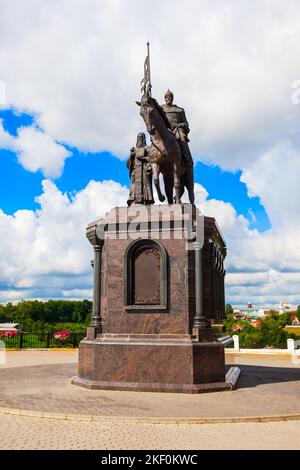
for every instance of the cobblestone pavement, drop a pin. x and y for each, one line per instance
(261, 391)
(38, 433)
(36, 357)
(267, 386)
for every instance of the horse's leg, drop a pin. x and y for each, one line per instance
(168, 180)
(182, 185)
(177, 174)
(155, 171)
(190, 183)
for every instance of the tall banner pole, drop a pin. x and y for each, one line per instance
(148, 54)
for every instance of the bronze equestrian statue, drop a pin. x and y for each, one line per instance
(169, 152)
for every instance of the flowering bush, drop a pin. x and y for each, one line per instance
(8, 334)
(237, 327)
(62, 335)
(255, 323)
(258, 333)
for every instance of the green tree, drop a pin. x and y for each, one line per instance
(269, 332)
(229, 322)
(38, 316)
(88, 319)
(10, 310)
(228, 310)
(4, 318)
(285, 319)
(273, 313)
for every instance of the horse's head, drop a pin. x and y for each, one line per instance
(146, 111)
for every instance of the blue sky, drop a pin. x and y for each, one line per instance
(19, 187)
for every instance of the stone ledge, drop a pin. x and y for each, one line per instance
(149, 420)
(151, 387)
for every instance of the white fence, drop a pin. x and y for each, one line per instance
(292, 346)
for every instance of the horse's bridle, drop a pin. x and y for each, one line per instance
(163, 153)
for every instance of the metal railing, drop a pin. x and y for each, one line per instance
(42, 341)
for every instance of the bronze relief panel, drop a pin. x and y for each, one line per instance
(146, 276)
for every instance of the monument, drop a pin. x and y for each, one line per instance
(158, 273)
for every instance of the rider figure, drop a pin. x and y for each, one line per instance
(178, 125)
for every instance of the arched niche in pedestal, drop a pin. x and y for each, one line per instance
(146, 276)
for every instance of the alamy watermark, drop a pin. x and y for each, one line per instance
(295, 97)
(157, 222)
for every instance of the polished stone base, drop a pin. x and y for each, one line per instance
(162, 363)
(146, 387)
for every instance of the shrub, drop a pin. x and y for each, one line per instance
(285, 319)
(259, 334)
(228, 310)
(273, 314)
(251, 338)
(229, 322)
(8, 334)
(62, 335)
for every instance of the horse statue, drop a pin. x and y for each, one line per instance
(165, 154)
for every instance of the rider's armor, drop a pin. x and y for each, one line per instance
(180, 127)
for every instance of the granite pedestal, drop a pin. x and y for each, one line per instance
(158, 281)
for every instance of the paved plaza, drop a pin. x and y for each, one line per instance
(37, 433)
(38, 383)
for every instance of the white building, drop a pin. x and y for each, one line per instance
(251, 311)
(258, 312)
(284, 306)
(10, 327)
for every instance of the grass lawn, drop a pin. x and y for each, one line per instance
(295, 330)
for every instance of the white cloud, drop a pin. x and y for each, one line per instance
(2, 94)
(77, 66)
(261, 267)
(48, 254)
(274, 177)
(37, 151)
